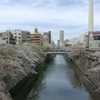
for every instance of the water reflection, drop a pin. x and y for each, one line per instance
(58, 81)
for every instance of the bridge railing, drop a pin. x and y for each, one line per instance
(55, 52)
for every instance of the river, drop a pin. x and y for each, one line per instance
(57, 81)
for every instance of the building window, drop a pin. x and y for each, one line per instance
(19, 34)
(98, 44)
(15, 37)
(96, 37)
(28, 33)
(15, 33)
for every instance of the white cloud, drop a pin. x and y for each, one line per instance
(62, 16)
(72, 16)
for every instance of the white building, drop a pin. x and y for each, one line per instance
(21, 36)
(80, 39)
(72, 41)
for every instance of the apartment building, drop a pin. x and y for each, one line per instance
(47, 37)
(21, 36)
(7, 37)
(36, 38)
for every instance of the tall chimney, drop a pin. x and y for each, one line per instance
(91, 19)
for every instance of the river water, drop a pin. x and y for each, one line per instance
(58, 81)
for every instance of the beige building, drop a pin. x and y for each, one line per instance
(94, 40)
(7, 37)
(86, 41)
(21, 36)
(36, 38)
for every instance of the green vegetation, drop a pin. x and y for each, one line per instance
(85, 55)
(44, 49)
(66, 45)
(87, 46)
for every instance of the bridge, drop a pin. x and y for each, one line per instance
(55, 52)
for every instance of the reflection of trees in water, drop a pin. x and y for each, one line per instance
(76, 80)
(83, 83)
(34, 94)
(38, 86)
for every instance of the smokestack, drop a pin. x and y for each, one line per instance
(91, 19)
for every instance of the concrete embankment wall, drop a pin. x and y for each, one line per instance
(26, 84)
(28, 81)
(84, 64)
(16, 63)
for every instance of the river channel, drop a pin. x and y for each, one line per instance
(57, 81)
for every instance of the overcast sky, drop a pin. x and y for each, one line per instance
(54, 15)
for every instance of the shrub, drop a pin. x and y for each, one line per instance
(66, 45)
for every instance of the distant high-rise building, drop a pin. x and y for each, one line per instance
(61, 36)
(47, 37)
(52, 42)
(58, 43)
